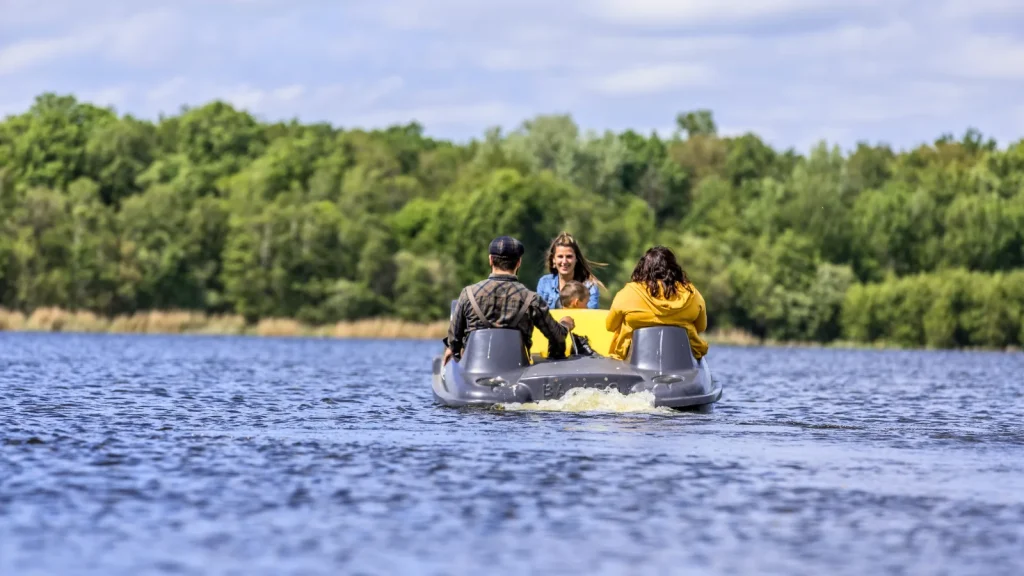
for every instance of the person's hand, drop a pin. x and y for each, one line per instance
(568, 322)
(447, 356)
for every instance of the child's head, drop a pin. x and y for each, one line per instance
(574, 295)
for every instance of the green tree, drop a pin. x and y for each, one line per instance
(211, 209)
(697, 123)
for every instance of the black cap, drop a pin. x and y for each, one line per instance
(507, 246)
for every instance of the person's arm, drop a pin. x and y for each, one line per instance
(613, 321)
(456, 329)
(701, 323)
(544, 289)
(595, 297)
(555, 332)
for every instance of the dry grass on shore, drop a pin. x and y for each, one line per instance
(732, 337)
(735, 337)
(185, 322)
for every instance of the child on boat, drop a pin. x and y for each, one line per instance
(574, 295)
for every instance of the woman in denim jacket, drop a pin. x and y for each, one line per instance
(566, 262)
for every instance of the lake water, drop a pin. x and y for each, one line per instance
(124, 455)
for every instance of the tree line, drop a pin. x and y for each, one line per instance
(213, 210)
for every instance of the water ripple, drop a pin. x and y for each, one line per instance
(214, 455)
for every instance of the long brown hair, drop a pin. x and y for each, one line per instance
(660, 272)
(583, 271)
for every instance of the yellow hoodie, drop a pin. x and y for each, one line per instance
(634, 307)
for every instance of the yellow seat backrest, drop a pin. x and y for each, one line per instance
(589, 323)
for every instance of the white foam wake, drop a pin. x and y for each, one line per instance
(593, 400)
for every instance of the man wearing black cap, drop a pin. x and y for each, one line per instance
(502, 301)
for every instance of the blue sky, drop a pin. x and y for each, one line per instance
(793, 71)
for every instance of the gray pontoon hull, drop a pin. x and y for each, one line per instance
(494, 371)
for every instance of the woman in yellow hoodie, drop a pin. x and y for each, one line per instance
(659, 294)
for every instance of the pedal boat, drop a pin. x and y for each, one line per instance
(496, 368)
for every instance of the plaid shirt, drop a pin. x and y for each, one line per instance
(500, 297)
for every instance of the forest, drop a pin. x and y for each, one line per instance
(214, 211)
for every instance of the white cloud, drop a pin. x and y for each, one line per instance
(836, 110)
(144, 38)
(471, 17)
(653, 79)
(19, 13)
(765, 133)
(357, 95)
(787, 67)
(32, 53)
(353, 105)
(289, 93)
(669, 12)
(113, 96)
(402, 17)
(508, 59)
(409, 15)
(902, 50)
(599, 52)
(854, 39)
(954, 9)
(1018, 120)
(350, 46)
(448, 115)
(258, 100)
(929, 99)
(246, 97)
(317, 102)
(167, 95)
(988, 57)
(831, 135)
(13, 107)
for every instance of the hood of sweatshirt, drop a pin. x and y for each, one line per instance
(664, 306)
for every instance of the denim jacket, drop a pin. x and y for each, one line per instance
(547, 288)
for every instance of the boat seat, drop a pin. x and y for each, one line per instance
(662, 349)
(494, 350)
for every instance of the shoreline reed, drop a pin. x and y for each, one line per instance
(190, 322)
(170, 322)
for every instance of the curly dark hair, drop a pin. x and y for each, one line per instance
(660, 271)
